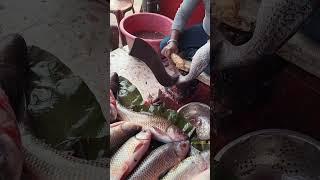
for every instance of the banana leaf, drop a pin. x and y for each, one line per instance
(130, 97)
(63, 111)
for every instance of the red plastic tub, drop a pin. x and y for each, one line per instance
(142, 22)
(169, 8)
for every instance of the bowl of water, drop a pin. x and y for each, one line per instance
(150, 27)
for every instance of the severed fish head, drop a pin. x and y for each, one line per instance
(181, 149)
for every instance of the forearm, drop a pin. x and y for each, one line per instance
(175, 34)
(199, 62)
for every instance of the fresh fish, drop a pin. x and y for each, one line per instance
(205, 175)
(187, 168)
(120, 132)
(46, 163)
(161, 160)
(162, 129)
(127, 157)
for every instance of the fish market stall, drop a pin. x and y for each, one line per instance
(162, 129)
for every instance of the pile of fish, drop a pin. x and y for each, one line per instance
(131, 134)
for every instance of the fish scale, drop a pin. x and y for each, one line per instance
(143, 119)
(129, 155)
(50, 164)
(121, 133)
(162, 129)
(189, 167)
(158, 162)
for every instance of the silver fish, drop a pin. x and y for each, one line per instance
(47, 163)
(162, 129)
(205, 175)
(127, 157)
(190, 166)
(161, 160)
(120, 132)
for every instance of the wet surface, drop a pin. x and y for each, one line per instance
(149, 35)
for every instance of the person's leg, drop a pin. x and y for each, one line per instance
(13, 51)
(190, 41)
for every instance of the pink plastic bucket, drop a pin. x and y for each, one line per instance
(150, 22)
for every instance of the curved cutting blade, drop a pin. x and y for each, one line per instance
(144, 52)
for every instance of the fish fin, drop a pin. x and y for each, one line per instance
(139, 146)
(146, 113)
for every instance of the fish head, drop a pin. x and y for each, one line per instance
(182, 148)
(144, 135)
(11, 159)
(176, 134)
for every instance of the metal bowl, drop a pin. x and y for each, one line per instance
(198, 114)
(270, 154)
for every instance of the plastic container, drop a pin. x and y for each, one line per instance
(169, 8)
(142, 22)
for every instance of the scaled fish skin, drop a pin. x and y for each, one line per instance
(187, 168)
(45, 162)
(205, 175)
(127, 157)
(162, 129)
(161, 160)
(120, 132)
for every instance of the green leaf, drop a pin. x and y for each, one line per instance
(63, 109)
(130, 97)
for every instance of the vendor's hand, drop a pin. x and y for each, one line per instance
(169, 49)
